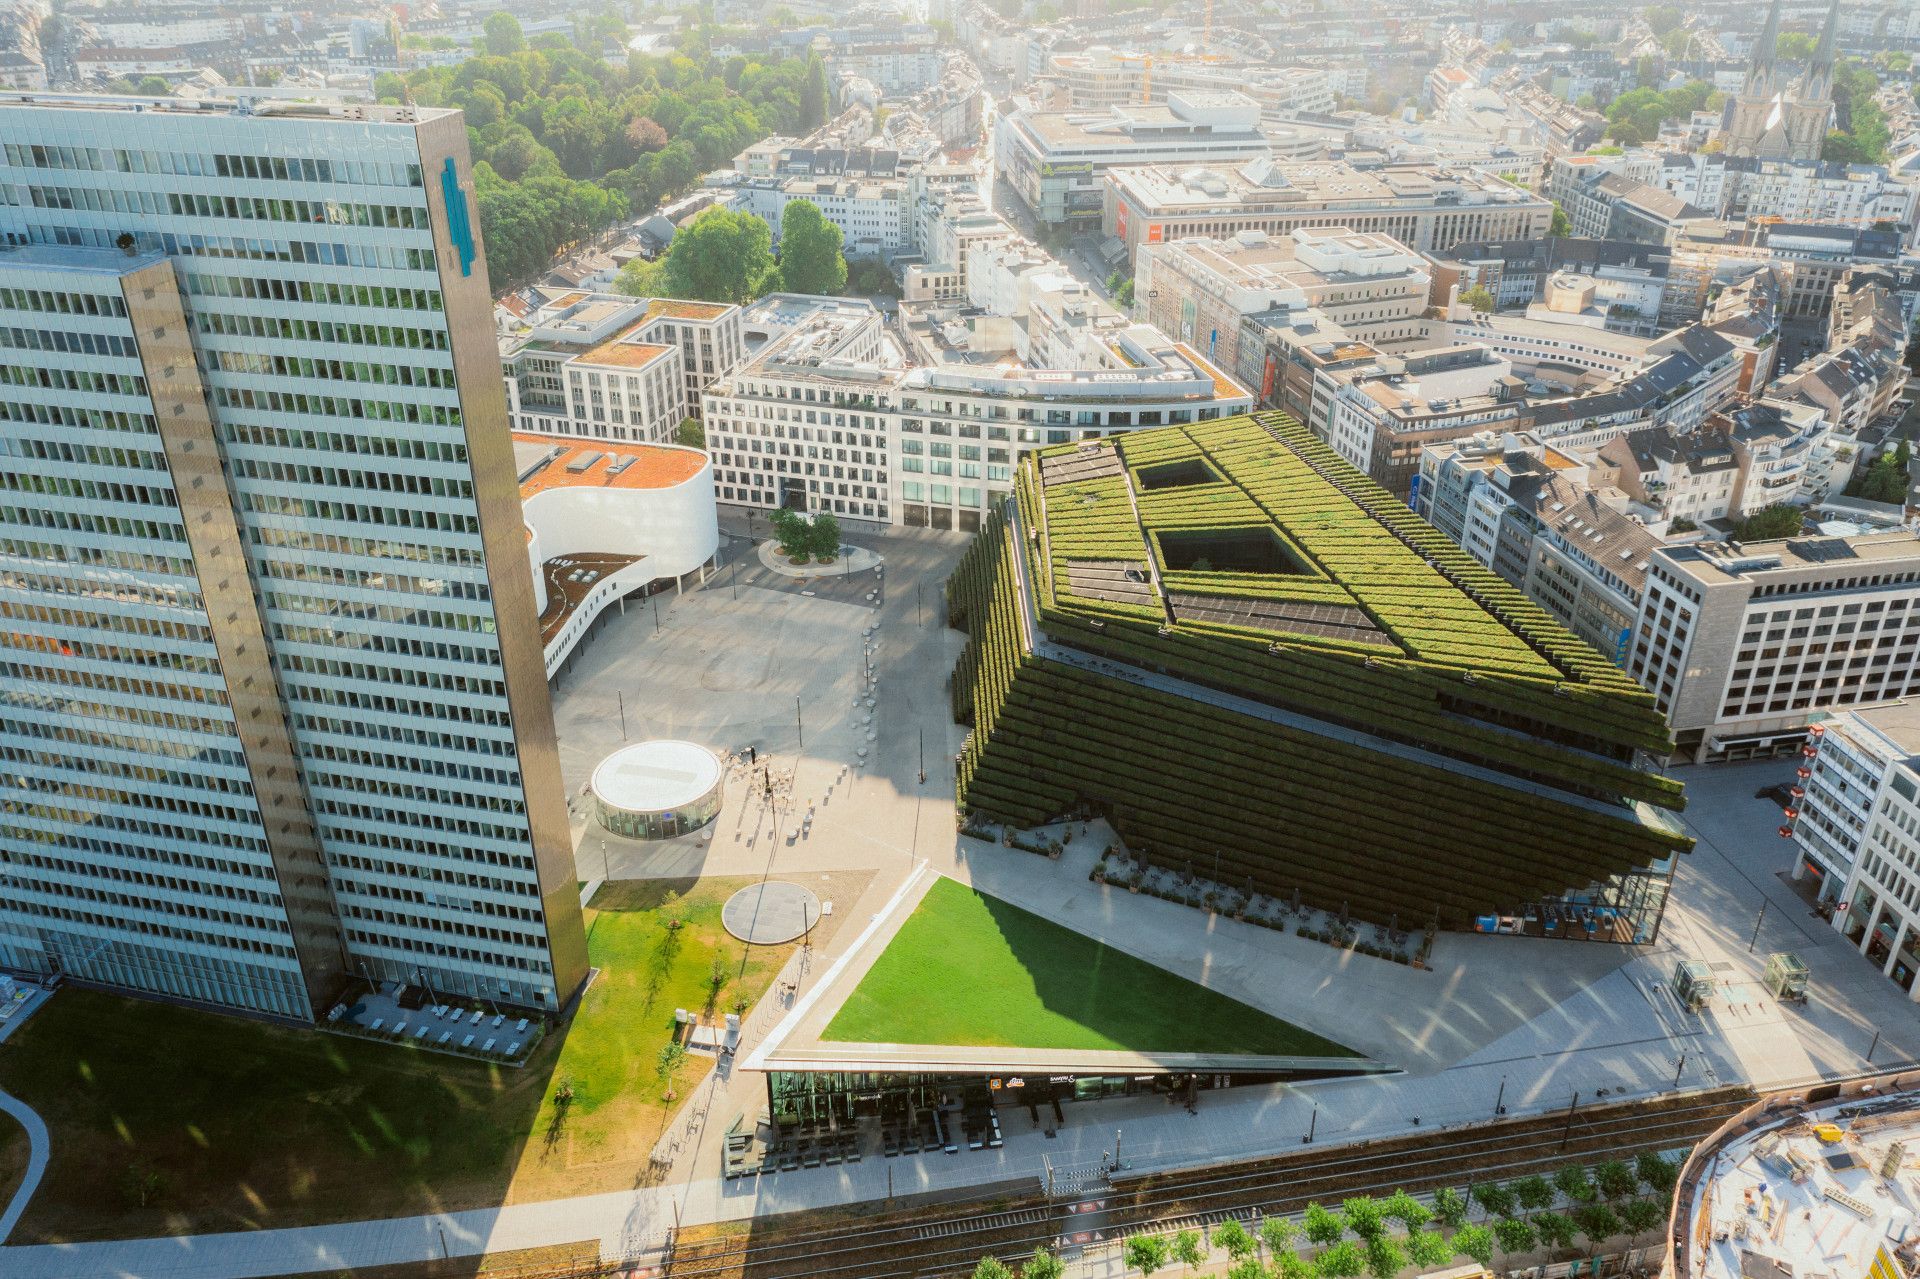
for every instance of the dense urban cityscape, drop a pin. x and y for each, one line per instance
(1051, 638)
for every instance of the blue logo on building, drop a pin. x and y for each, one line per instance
(459, 217)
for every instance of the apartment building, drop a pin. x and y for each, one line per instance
(615, 367)
(1743, 645)
(832, 415)
(1200, 291)
(1428, 208)
(276, 714)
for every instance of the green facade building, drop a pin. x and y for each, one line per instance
(1261, 667)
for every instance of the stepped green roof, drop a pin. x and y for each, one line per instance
(1279, 598)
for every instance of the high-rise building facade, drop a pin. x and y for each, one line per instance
(274, 712)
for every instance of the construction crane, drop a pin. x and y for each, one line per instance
(1206, 32)
(1146, 80)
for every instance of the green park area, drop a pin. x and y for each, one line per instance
(172, 1120)
(967, 968)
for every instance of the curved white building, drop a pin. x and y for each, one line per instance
(606, 520)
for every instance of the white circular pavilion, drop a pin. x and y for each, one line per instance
(657, 789)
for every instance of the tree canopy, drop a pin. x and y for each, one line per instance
(1635, 116)
(640, 132)
(810, 256)
(1767, 525)
(1886, 479)
(720, 256)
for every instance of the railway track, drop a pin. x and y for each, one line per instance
(925, 1246)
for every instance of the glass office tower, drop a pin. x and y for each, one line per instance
(273, 711)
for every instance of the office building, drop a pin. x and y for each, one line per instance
(1856, 833)
(1200, 290)
(1743, 645)
(831, 414)
(615, 367)
(1847, 775)
(1055, 160)
(1425, 207)
(275, 714)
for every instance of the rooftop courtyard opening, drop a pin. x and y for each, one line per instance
(1177, 475)
(1231, 550)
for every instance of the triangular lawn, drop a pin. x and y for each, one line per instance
(970, 969)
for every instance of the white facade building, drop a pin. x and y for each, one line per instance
(831, 415)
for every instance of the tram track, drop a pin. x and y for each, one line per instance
(923, 1246)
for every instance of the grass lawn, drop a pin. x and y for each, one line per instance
(967, 968)
(250, 1125)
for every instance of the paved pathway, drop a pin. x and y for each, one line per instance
(38, 1148)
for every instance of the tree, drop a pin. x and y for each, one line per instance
(1475, 1242)
(823, 536)
(1277, 1234)
(645, 135)
(720, 256)
(1321, 1226)
(1385, 1257)
(1449, 1207)
(813, 97)
(690, 433)
(1656, 1173)
(503, 35)
(1886, 479)
(1555, 1229)
(1478, 298)
(1428, 1249)
(1778, 521)
(991, 1268)
(1494, 1197)
(810, 256)
(1364, 1217)
(1598, 1223)
(1532, 1192)
(1344, 1260)
(1234, 1238)
(1405, 1209)
(1562, 224)
(794, 534)
(1573, 1182)
(1145, 1253)
(1187, 1250)
(1514, 1236)
(1248, 1268)
(672, 1053)
(1642, 1215)
(1615, 1179)
(1043, 1265)
(1293, 1266)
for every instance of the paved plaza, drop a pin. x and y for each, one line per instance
(772, 672)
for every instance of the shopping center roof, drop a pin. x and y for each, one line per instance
(557, 461)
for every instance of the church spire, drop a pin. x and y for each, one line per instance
(1817, 85)
(1760, 69)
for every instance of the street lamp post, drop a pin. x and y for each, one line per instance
(798, 727)
(1500, 1102)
